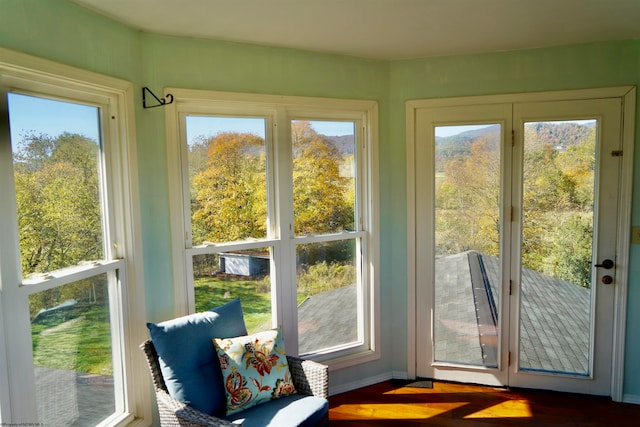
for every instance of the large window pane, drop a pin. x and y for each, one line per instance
(227, 178)
(467, 244)
(327, 292)
(253, 200)
(57, 178)
(323, 176)
(71, 336)
(243, 274)
(557, 243)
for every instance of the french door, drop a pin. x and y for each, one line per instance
(516, 237)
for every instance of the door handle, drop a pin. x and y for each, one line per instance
(607, 264)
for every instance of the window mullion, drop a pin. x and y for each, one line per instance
(285, 303)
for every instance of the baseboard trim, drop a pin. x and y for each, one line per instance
(631, 398)
(343, 388)
(400, 375)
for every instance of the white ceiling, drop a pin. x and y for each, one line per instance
(384, 29)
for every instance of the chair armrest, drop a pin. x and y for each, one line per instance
(309, 377)
(175, 413)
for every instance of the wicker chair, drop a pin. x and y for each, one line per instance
(310, 378)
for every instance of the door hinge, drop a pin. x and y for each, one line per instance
(616, 153)
(509, 359)
(510, 286)
(513, 137)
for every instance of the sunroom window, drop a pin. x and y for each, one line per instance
(66, 250)
(276, 210)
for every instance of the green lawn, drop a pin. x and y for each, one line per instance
(255, 296)
(77, 339)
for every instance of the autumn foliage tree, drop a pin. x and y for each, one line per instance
(229, 190)
(59, 210)
(58, 198)
(558, 198)
(468, 201)
(322, 197)
(229, 195)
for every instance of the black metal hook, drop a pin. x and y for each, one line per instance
(161, 101)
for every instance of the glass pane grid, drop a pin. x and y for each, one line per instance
(229, 201)
(324, 207)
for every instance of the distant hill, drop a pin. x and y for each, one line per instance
(344, 143)
(459, 145)
(470, 135)
(558, 135)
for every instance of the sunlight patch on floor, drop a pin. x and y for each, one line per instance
(392, 411)
(506, 409)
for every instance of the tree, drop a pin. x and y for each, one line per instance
(571, 250)
(58, 199)
(468, 201)
(322, 197)
(558, 196)
(578, 162)
(59, 211)
(230, 194)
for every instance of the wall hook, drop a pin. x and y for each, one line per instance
(161, 101)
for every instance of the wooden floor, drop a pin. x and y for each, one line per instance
(392, 404)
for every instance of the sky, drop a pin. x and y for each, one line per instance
(211, 126)
(442, 131)
(39, 115)
(28, 113)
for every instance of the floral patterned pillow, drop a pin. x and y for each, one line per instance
(254, 369)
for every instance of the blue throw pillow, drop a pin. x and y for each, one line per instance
(188, 359)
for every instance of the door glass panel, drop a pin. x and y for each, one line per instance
(557, 243)
(227, 178)
(327, 293)
(323, 176)
(245, 274)
(71, 335)
(467, 244)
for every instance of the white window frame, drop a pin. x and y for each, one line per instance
(29, 75)
(279, 111)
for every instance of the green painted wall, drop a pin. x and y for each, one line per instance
(223, 66)
(61, 31)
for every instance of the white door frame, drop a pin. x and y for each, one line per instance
(628, 96)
